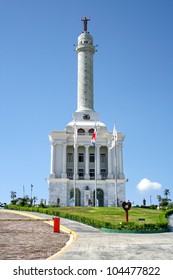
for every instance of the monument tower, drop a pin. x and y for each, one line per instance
(82, 173)
(85, 51)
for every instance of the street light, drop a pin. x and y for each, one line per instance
(150, 200)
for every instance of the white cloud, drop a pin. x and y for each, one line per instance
(147, 185)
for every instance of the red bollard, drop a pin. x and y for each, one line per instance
(56, 227)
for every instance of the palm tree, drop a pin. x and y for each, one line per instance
(166, 193)
(159, 198)
(34, 199)
(13, 197)
(24, 200)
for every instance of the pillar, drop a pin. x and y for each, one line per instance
(87, 176)
(76, 162)
(85, 51)
(121, 173)
(64, 161)
(52, 164)
(110, 153)
(98, 161)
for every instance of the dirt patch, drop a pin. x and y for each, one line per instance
(33, 240)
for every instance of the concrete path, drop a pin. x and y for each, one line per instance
(93, 244)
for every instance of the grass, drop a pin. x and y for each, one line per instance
(108, 217)
(115, 218)
(115, 215)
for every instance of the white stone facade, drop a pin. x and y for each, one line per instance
(85, 168)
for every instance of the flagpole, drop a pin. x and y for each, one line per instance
(74, 175)
(115, 140)
(115, 178)
(23, 191)
(93, 141)
(95, 175)
(115, 162)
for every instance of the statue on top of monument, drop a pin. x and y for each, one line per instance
(85, 21)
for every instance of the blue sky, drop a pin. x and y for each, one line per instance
(133, 85)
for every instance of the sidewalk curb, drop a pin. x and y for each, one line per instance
(133, 231)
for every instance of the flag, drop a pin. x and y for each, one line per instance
(75, 135)
(93, 137)
(114, 137)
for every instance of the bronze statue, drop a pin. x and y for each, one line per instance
(85, 20)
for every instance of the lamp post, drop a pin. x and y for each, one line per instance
(150, 200)
(23, 191)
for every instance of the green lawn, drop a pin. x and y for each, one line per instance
(114, 215)
(108, 217)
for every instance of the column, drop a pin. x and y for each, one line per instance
(64, 173)
(85, 52)
(87, 176)
(76, 162)
(52, 164)
(98, 162)
(121, 161)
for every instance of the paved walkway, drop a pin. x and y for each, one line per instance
(93, 244)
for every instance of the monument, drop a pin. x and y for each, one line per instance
(86, 159)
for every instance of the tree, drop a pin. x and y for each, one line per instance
(167, 193)
(34, 199)
(164, 201)
(42, 203)
(159, 198)
(13, 197)
(23, 200)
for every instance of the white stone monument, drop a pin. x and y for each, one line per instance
(80, 171)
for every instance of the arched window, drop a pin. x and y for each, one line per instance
(81, 131)
(99, 198)
(90, 131)
(77, 197)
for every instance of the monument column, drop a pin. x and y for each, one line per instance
(85, 51)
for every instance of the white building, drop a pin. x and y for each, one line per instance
(77, 166)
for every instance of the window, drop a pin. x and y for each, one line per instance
(70, 157)
(92, 174)
(81, 157)
(81, 173)
(70, 174)
(81, 131)
(86, 117)
(92, 157)
(103, 174)
(90, 131)
(102, 158)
